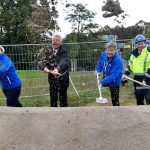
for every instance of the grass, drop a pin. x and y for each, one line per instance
(35, 83)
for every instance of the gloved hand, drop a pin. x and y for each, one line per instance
(143, 83)
(124, 82)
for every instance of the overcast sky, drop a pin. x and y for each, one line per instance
(136, 9)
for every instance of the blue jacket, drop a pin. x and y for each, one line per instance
(8, 76)
(111, 68)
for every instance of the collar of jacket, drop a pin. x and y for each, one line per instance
(110, 58)
(136, 53)
(58, 47)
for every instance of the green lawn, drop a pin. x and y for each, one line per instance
(35, 83)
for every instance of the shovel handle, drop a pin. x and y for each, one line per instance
(135, 81)
(99, 87)
(132, 80)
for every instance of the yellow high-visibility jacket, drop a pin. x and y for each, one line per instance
(139, 65)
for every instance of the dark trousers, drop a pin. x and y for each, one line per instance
(140, 99)
(12, 96)
(114, 95)
(58, 88)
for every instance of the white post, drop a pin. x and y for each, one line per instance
(74, 87)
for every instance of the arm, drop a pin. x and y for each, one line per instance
(99, 64)
(114, 74)
(147, 74)
(63, 63)
(5, 65)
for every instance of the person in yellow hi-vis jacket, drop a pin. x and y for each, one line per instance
(139, 65)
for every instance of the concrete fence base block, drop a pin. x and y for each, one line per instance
(88, 128)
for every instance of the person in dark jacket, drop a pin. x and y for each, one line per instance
(110, 64)
(54, 61)
(9, 81)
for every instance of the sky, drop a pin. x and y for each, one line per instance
(136, 9)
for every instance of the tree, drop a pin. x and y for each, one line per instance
(112, 8)
(82, 25)
(13, 20)
(43, 21)
(122, 32)
(27, 21)
(81, 19)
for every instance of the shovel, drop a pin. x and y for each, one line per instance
(100, 99)
(136, 81)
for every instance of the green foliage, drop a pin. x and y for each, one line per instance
(122, 32)
(27, 21)
(147, 34)
(42, 22)
(70, 38)
(81, 19)
(13, 20)
(82, 80)
(126, 53)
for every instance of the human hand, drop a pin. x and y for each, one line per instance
(99, 85)
(124, 82)
(123, 77)
(55, 72)
(143, 83)
(46, 70)
(96, 73)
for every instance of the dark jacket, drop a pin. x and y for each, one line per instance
(111, 69)
(47, 58)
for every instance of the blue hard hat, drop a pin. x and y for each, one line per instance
(139, 38)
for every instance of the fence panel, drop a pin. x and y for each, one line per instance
(83, 59)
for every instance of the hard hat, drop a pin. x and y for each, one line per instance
(139, 38)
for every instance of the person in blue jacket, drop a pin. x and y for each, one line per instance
(110, 64)
(9, 81)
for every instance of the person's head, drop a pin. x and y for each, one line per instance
(140, 42)
(56, 41)
(111, 49)
(2, 49)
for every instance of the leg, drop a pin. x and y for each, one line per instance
(139, 99)
(63, 98)
(53, 92)
(64, 84)
(147, 97)
(12, 96)
(115, 95)
(18, 104)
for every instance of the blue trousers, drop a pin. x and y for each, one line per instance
(12, 96)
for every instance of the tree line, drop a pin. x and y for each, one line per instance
(34, 21)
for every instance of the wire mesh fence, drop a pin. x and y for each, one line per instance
(83, 59)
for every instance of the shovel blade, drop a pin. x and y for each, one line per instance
(101, 100)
